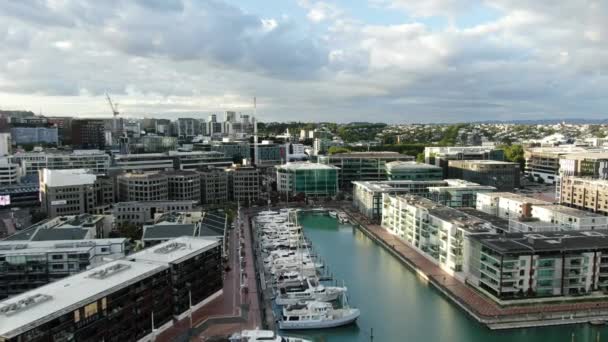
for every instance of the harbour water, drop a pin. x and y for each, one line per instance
(400, 306)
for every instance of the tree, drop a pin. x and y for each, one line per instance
(129, 230)
(37, 216)
(515, 154)
(420, 157)
(337, 149)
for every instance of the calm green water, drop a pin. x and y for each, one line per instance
(398, 305)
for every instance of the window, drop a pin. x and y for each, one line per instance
(90, 310)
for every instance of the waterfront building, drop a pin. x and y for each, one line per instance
(440, 156)
(89, 133)
(306, 178)
(410, 170)
(214, 186)
(10, 173)
(130, 299)
(35, 135)
(516, 265)
(244, 184)
(168, 226)
(184, 185)
(502, 175)
(150, 186)
(361, 166)
(143, 212)
(436, 230)
(367, 196)
(26, 265)
(67, 192)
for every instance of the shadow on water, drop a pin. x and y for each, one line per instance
(400, 306)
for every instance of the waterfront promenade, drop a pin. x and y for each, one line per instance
(482, 308)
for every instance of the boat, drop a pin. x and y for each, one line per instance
(597, 322)
(262, 335)
(307, 291)
(342, 217)
(316, 315)
(333, 214)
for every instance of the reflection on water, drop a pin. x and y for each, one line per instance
(397, 304)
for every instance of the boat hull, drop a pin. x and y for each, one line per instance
(303, 325)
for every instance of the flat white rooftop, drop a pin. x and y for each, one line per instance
(306, 166)
(45, 303)
(70, 177)
(175, 250)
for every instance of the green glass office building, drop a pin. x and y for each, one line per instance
(310, 179)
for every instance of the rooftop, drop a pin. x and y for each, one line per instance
(516, 197)
(481, 162)
(19, 247)
(168, 231)
(379, 154)
(59, 228)
(69, 177)
(545, 241)
(306, 166)
(175, 250)
(562, 209)
(586, 155)
(411, 165)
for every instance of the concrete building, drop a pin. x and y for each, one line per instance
(150, 186)
(172, 225)
(433, 229)
(503, 176)
(592, 165)
(309, 179)
(10, 173)
(64, 128)
(244, 184)
(158, 143)
(29, 265)
(440, 156)
(89, 133)
(214, 186)
(410, 170)
(35, 135)
(188, 128)
(367, 196)
(171, 160)
(96, 161)
(131, 299)
(269, 154)
(184, 185)
(544, 162)
(516, 266)
(585, 194)
(6, 144)
(66, 192)
(141, 212)
(20, 195)
(361, 166)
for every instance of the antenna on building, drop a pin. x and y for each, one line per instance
(255, 131)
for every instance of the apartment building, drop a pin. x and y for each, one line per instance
(367, 196)
(26, 265)
(361, 166)
(504, 176)
(516, 265)
(584, 193)
(150, 186)
(436, 230)
(130, 299)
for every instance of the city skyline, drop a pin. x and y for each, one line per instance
(390, 60)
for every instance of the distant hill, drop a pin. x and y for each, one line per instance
(548, 121)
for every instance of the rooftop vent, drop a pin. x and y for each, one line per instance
(109, 271)
(24, 304)
(172, 247)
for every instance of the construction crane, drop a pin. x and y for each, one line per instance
(115, 113)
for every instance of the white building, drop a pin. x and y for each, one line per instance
(96, 161)
(5, 144)
(10, 173)
(67, 192)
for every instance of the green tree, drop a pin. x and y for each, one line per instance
(337, 149)
(515, 154)
(420, 157)
(129, 230)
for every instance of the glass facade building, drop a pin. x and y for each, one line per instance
(309, 179)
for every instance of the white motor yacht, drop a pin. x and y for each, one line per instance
(263, 335)
(308, 290)
(316, 315)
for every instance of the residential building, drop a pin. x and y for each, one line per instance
(410, 170)
(306, 178)
(184, 185)
(433, 229)
(28, 265)
(504, 176)
(361, 166)
(74, 227)
(66, 192)
(214, 186)
(35, 135)
(149, 186)
(10, 173)
(89, 133)
(143, 212)
(367, 196)
(585, 193)
(516, 265)
(6, 144)
(244, 184)
(130, 299)
(440, 156)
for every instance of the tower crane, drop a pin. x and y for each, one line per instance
(115, 113)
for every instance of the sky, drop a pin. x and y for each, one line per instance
(394, 61)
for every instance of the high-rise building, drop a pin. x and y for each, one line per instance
(89, 133)
(67, 192)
